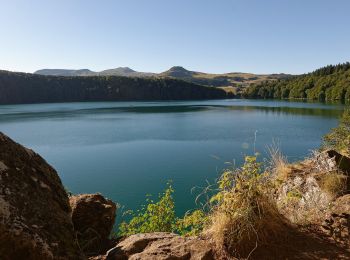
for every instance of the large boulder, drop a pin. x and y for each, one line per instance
(35, 218)
(161, 246)
(93, 218)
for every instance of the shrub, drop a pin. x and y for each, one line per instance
(160, 217)
(154, 217)
(192, 223)
(339, 137)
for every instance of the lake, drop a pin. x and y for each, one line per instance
(126, 150)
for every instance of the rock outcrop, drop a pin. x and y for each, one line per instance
(93, 218)
(301, 199)
(305, 196)
(161, 246)
(331, 160)
(342, 162)
(35, 218)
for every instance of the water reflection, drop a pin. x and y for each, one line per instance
(7, 114)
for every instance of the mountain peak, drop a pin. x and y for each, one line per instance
(178, 72)
(120, 71)
(177, 68)
(123, 70)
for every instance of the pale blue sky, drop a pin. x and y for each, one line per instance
(261, 36)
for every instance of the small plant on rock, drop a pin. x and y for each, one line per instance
(192, 223)
(153, 217)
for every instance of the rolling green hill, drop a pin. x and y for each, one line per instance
(231, 82)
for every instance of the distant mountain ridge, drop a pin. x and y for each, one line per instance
(64, 72)
(229, 81)
(120, 71)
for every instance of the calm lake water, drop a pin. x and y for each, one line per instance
(126, 150)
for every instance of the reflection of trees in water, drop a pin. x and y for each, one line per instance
(331, 112)
(323, 112)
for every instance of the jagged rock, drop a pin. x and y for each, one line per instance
(301, 199)
(161, 246)
(331, 160)
(324, 161)
(342, 162)
(35, 218)
(93, 218)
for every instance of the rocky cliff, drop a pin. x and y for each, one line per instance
(35, 218)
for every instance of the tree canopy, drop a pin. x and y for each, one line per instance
(330, 83)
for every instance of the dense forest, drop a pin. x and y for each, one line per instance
(330, 83)
(18, 88)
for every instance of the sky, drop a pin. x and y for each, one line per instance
(261, 36)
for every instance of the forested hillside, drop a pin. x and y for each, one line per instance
(18, 88)
(330, 83)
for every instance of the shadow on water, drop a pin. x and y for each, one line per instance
(36, 115)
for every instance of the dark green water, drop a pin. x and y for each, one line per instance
(128, 149)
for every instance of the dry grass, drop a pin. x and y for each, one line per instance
(334, 183)
(229, 89)
(251, 226)
(245, 216)
(279, 166)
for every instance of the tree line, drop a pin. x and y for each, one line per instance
(18, 88)
(330, 83)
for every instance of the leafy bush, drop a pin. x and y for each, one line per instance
(153, 217)
(192, 223)
(160, 217)
(339, 137)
